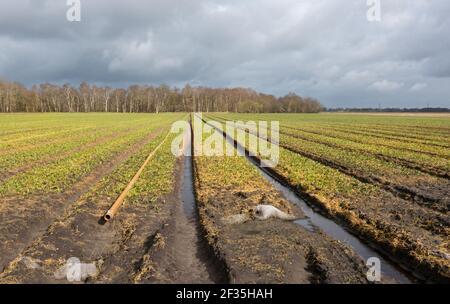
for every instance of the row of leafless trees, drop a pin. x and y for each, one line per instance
(14, 97)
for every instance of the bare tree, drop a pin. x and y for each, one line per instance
(137, 98)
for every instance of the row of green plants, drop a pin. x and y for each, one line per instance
(360, 164)
(405, 135)
(406, 230)
(348, 135)
(53, 128)
(63, 173)
(423, 128)
(19, 157)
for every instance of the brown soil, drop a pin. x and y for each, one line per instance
(271, 251)
(180, 253)
(416, 237)
(427, 194)
(145, 243)
(26, 218)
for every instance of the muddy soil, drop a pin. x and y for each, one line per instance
(181, 254)
(115, 247)
(412, 235)
(26, 218)
(272, 251)
(146, 243)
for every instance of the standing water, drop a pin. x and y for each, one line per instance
(188, 196)
(316, 221)
(192, 260)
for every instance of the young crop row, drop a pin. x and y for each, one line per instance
(402, 135)
(370, 169)
(290, 251)
(23, 132)
(423, 133)
(408, 231)
(22, 123)
(373, 170)
(430, 164)
(16, 158)
(158, 177)
(435, 165)
(48, 129)
(397, 123)
(63, 126)
(155, 181)
(22, 142)
(61, 174)
(417, 128)
(413, 151)
(38, 142)
(417, 148)
(403, 139)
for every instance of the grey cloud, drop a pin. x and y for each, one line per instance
(321, 48)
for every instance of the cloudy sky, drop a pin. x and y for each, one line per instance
(321, 48)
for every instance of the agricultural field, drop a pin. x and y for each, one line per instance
(51, 203)
(264, 252)
(386, 178)
(351, 187)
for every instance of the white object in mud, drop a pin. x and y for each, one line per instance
(75, 271)
(264, 212)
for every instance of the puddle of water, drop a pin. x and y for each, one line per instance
(317, 221)
(187, 193)
(307, 224)
(204, 254)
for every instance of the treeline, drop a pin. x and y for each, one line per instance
(392, 110)
(14, 97)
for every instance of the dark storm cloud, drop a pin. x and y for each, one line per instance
(322, 48)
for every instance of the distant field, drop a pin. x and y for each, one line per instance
(386, 178)
(400, 114)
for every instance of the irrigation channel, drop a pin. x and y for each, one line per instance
(390, 271)
(188, 255)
